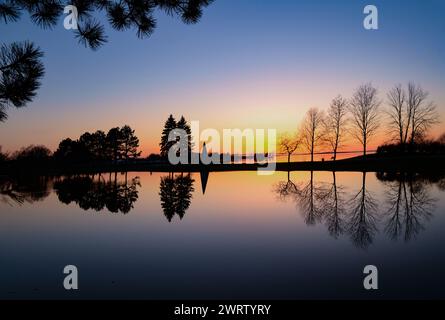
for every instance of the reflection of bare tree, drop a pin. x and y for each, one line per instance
(309, 197)
(286, 189)
(24, 189)
(176, 194)
(362, 221)
(410, 205)
(408, 196)
(333, 208)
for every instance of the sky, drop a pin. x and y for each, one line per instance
(247, 64)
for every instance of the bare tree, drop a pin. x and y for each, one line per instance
(335, 124)
(398, 113)
(411, 116)
(364, 107)
(289, 144)
(422, 113)
(311, 130)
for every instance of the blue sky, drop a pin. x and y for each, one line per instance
(247, 63)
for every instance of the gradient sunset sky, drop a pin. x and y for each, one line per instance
(246, 64)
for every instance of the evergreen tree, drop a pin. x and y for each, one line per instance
(114, 144)
(130, 143)
(165, 145)
(182, 124)
(21, 70)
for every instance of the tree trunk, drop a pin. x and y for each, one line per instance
(364, 146)
(312, 149)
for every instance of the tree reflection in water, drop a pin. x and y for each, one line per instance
(176, 194)
(408, 199)
(23, 189)
(362, 220)
(409, 204)
(90, 193)
(87, 191)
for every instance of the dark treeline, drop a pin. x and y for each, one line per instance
(421, 146)
(118, 145)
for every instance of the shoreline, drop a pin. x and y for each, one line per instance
(372, 163)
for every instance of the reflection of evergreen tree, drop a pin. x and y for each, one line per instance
(176, 195)
(184, 189)
(88, 193)
(167, 194)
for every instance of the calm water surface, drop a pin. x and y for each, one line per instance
(157, 236)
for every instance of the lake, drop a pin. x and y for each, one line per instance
(300, 235)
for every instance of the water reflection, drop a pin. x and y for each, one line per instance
(96, 194)
(88, 191)
(358, 213)
(176, 194)
(362, 222)
(20, 190)
(409, 204)
(408, 201)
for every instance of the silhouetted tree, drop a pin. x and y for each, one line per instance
(422, 113)
(95, 144)
(165, 145)
(311, 130)
(364, 107)
(441, 139)
(114, 143)
(398, 113)
(334, 124)
(20, 73)
(183, 125)
(32, 154)
(20, 64)
(411, 116)
(71, 151)
(289, 144)
(130, 143)
(122, 15)
(3, 156)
